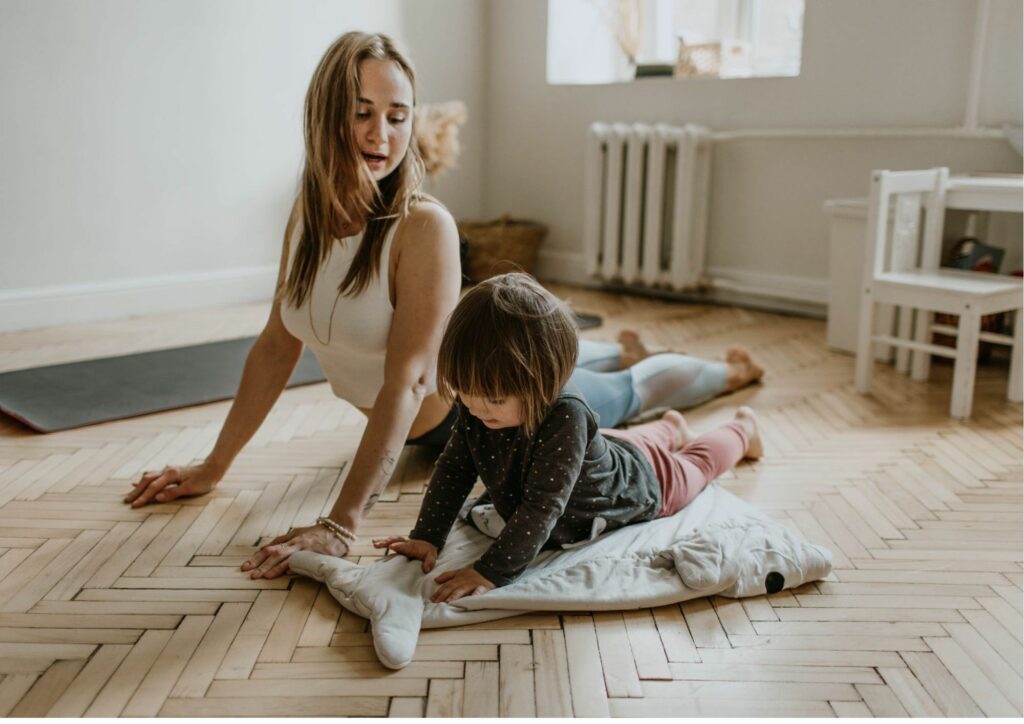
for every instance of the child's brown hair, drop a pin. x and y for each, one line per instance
(509, 337)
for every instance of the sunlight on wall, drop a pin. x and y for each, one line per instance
(614, 41)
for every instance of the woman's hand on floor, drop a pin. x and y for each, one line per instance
(172, 482)
(459, 583)
(271, 560)
(421, 550)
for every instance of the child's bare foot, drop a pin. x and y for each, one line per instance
(742, 368)
(755, 447)
(633, 350)
(685, 435)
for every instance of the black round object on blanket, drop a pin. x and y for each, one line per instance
(774, 582)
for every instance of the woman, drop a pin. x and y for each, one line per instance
(369, 273)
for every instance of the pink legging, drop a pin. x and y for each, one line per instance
(684, 473)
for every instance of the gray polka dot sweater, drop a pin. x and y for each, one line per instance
(548, 488)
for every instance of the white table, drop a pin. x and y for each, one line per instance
(995, 192)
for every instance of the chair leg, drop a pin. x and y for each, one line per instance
(903, 331)
(966, 363)
(865, 349)
(921, 366)
(883, 321)
(1013, 390)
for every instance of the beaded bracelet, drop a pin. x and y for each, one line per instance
(339, 531)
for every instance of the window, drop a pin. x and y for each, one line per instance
(610, 41)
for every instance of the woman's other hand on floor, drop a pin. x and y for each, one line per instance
(173, 482)
(271, 560)
(421, 550)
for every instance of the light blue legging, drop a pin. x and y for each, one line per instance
(661, 380)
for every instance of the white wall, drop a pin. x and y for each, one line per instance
(867, 64)
(150, 150)
(446, 43)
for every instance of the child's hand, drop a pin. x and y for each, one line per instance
(410, 548)
(459, 583)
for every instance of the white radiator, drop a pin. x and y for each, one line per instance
(646, 204)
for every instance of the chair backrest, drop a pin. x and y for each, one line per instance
(904, 194)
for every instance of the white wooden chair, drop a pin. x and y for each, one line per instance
(903, 270)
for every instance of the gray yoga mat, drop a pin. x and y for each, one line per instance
(65, 396)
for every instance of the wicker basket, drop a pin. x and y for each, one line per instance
(501, 245)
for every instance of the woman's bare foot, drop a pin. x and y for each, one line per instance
(633, 350)
(748, 420)
(685, 435)
(742, 369)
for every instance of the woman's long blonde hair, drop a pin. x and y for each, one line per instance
(337, 188)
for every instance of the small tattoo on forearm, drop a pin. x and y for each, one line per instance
(371, 501)
(387, 464)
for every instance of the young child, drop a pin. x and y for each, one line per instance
(506, 356)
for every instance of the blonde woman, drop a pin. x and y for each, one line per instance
(369, 273)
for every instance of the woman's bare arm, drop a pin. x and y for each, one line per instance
(268, 366)
(427, 281)
(427, 284)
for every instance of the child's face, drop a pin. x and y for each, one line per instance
(494, 413)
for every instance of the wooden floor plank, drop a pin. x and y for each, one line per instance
(480, 689)
(47, 689)
(675, 635)
(551, 682)
(407, 707)
(149, 697)
(283, 706)
(367, 669)
(272, 688)
(77, 697)
(648, 654)
(966, 671)
(620, 674)
(463, 652)
(708, 707)
(516, 695)
(252, 636)
(204, 663)
(322, 620)
(752, 690)
(704, 625)
(445, 698)
(288, 625)
(995, 635)
(942, 687)
(13, 689)
(769, 672)
(586, 681)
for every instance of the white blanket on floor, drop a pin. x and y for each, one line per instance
(718, 544)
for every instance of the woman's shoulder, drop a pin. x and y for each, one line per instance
(427, 214)
(427, 230)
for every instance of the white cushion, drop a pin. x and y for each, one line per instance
(718, 544)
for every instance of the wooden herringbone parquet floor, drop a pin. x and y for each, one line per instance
(110, 611)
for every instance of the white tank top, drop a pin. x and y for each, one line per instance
(348, 334)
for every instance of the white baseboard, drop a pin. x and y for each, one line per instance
(116, 299)
(806, 295)
(563, 266)
(772, 286)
